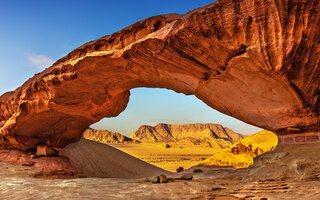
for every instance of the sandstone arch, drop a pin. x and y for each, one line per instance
(257, 61)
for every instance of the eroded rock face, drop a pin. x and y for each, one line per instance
(257, 61)
(106, 136)
(212, 135)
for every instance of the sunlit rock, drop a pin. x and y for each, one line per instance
(257, 61)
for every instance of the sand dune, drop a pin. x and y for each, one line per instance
(93, 159)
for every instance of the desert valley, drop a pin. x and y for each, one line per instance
(172, 146)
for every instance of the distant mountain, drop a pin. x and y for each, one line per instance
(241, 154)
(106, 136)
(213, 135)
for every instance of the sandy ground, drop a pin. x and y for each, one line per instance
(289, 172)
(94, 159)
(167, 158)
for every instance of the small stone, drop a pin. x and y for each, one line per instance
(155, 179)
(44, 150)
(28, 163)
(163, 179)
(170, 179)
(34, 156)
(216, 189)
(187, 177)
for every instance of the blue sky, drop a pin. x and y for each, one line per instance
(35, 33)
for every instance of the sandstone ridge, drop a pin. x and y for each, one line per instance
(241, 154)
(213, 135)
(257, 61)
(106, 136)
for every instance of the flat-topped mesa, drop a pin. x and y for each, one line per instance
(212, 135)
(257, 61)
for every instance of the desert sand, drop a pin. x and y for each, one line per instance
(167, 158)
(172, 155)
(289, 172)
(93, 159)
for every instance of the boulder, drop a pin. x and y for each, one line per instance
(163, 179)
(155, 179)
(186, 177)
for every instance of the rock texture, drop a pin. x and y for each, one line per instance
(214, 135)
(257, 61)
(106, 136)
(44, 150)
(53, 167)
(241, 154)
(299, 138)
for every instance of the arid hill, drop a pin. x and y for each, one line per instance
(241, 154)
(213, 135)
(106, 136)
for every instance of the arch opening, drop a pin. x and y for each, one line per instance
(151, 106)
(171, 130)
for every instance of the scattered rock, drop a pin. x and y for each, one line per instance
(163, 179)
(166, 146)
(186, 177)
(170, 179)
(180, 169)
(216, 189)
(28, 163)
(34, 156)
(197, 171)
(44, 150)
(155, 179)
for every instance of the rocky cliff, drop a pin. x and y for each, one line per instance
(241, 154)
(106, 136)
(255, 60)
(213, 135)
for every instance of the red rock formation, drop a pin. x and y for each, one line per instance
(257, 61)
(299, 138)
(59, 167)
(44, 150)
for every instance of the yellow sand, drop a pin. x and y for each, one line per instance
(167, 158)
(171, 156)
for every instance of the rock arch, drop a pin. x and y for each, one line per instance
(257, 61)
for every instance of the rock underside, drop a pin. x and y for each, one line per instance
(257, 61)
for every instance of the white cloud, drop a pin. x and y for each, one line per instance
(40, 61)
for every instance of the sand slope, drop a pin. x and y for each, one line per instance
(93, 159)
